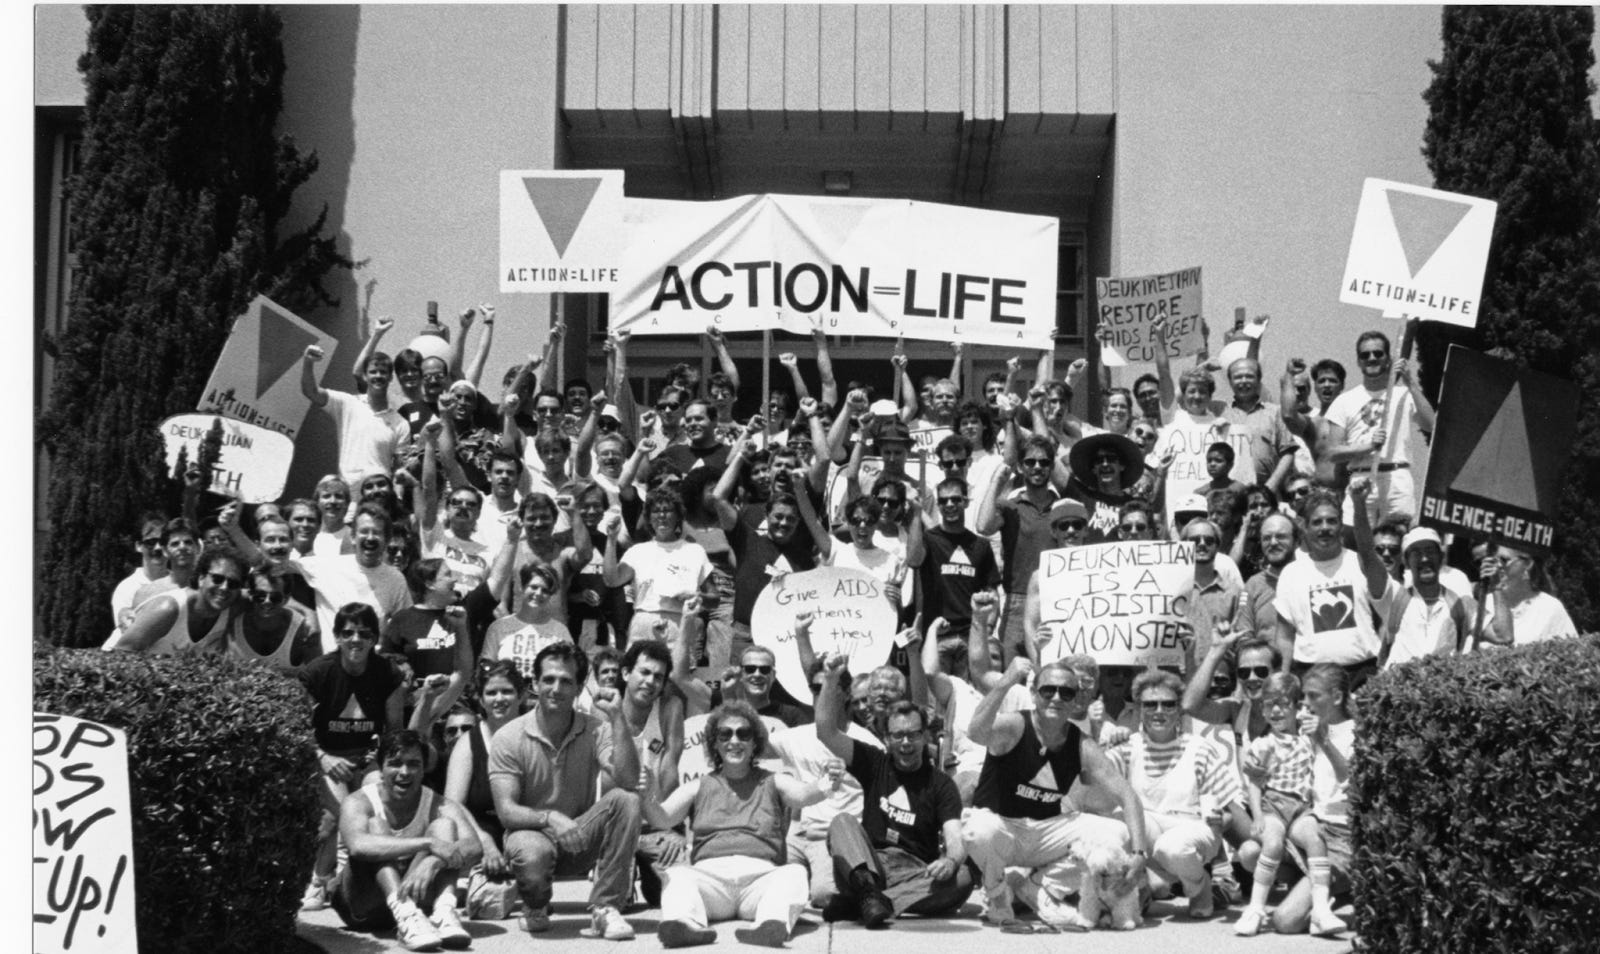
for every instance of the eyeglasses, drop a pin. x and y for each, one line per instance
(269, 597)
(1202, 538)
(435, 378)
(1377, 355)
(547, 411)
(356, 634)
(1387, 547)
(1058, 692)
(889, 501)
(668, 406)
(757, 670)
(1256, 672)
(454, 730)
(1069, 526)
(1036, 462)
(861, 520)
(1160, 705)
(398, 551)
(905, 736)
(952, 501)
(743, 733)
(1135, 527)
(951, 462)
(151, 543)
(225, 581)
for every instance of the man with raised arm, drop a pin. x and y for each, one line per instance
(370, 432)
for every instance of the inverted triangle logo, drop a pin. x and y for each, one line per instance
(1423, 224)
(280, 343)
(1498, 467)
(561, 203)
(839, 219)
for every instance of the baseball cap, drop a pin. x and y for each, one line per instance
(1418, 535)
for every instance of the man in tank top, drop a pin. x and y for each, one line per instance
(657, 723)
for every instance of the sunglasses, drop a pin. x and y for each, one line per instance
(1058, 692)
(1066, 526)
(1202, 538)
(668, 406)
(1036, 462)
(743, 733)
(953, 462)
(861, 521)
(952, 501)
(1256, 672)
(1376, 355)
(152, 543)
(269, 597)
(1135, 527)
(1160, 705)
(758, 670)
(434, 378)
(356, 633)
(889, 501)
(1386, 548)
(225, 581)
(451, 730)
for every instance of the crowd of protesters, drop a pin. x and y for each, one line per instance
(525, 630)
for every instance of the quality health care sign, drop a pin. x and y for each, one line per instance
(1122, 603)
(874, 267)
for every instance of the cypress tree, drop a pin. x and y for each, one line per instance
(177, 203)
(1510, 120)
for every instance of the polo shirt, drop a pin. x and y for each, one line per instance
(1267, 437)
(1207, 604)
(554, 774)
(1024, 534)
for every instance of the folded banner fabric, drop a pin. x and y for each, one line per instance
(875, 267)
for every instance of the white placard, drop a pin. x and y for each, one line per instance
(252, 462)
(1418, 252)
(560, 231)
(1123, 603)
(1128, 306)
(852, 616)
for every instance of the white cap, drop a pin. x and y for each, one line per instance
(1418, 535)
(884, 408)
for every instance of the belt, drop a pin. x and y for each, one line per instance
(1389, 465)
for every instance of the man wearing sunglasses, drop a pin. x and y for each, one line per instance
(1021, 816)
(1022, 518)
(152, 567)
(1216, 588)
(951, 561)
(1359, 432)
(1069, 519)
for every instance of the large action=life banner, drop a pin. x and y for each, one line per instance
(886, 268)
(1123, 603)
(1129, 306)
(1500, 446)
(82, 839)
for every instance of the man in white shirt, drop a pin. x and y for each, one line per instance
(1360, 431)
(1427, 618)
(371, 433)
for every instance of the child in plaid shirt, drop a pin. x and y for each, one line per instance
(1277, 770)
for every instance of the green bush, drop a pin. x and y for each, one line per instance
(220, 767)
(1476, 801)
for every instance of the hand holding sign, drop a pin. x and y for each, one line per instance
(849, 616)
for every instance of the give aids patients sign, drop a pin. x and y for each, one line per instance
(1418, 252)
(876, 267)
(560, 231)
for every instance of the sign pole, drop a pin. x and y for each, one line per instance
(766, 385)
(561, 346)
(1406, 338)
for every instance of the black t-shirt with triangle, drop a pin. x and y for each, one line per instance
(957, 564)
(904, 810)
(1028, 782)
(349, 713)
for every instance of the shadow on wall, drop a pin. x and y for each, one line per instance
(319, 48)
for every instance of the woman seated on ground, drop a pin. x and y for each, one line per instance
(738, 814)
(501, 690)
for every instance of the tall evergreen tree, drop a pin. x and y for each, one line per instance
(177, 204)
(1510, 120)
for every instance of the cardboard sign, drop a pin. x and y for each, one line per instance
(257, 377)
(928, 438)
(693, 763)
(1122, 603)
(1500, 446)
(252, 463)
(560, 231)
(1128, 306)
(82, 838)
(1189, 437)
(852, 616)
(1418, 253)
(877, 267)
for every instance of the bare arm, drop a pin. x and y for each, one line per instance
(808, 514)
(458, 341)
(474, 369)
(313, 391)
(1195, 703)
(989, 510)
(723, 357)
(830, 731)
(830, 386)
(379, 329)
(1158, 335)
(1371, 566)
(1097, 770)
(665, 814)
(151, 621)
(958, 351)
(1032, 612)
(998, 731)
(791, 364)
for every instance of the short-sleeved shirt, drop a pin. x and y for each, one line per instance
(368, 439)
(1105, 511)
(807, 758)
(1024, 534)
(468, 557)
(904, 810)
(687, 457)
(1256, 615)
(1359, 411)
(1536, 619)
(1216, 600)
(1331, 610)
(956, 564)
(1286, 762)
(759, 560)
(349, 712)
(421, 634)
(521, 642)
(1267, 437)
(1214, 771)
(555, 774)
(665, 574)
(339, 580)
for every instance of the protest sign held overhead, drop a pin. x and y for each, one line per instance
(82, 838)
(1128, 306)
(560, 231)
(851, 616)
(1500, 444)
(257, 377)
(252, 462)
(1418, 253)
(1121, 603)
(874, 267)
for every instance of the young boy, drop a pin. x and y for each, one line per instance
(1219, 460)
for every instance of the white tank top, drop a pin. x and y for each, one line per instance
(651, 741)
(416, 828)
(239, 647)
(176, 641)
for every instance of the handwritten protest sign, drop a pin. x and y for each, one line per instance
(1122, 603)
(1128, 306)
(82, 838)
(852, 616)
(928, 438)
(693, 763)
(257, 377)
(252, 463)
(1187, 438)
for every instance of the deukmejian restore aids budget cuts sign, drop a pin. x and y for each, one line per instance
(875, 267)
(1122, 603)
(1418, 252)
(1129, 306)
(560, 230)
(82, 839)
(851, 615)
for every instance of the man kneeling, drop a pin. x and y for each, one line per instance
(407, 847)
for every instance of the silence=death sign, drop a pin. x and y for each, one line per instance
(82, 838)
(252, 462)
(1500, 446)
(1418, 252)
(852, 616)
(1123, 603)
(1129, 306)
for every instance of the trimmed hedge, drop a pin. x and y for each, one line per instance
(220, 767)
(1476, 802)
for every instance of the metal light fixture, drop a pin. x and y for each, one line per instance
(837, 182)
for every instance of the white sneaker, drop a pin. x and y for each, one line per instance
(316, 896)
(607, 922)
(1055, 913)
(1249, 923)
(414, 930)
(1324, 923)
(535, 920)
(448, 924)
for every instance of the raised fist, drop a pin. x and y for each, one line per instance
(313, 353)
(382, 325)
(788, 360)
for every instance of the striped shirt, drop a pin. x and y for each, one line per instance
(1284, 761)
(1213, 772)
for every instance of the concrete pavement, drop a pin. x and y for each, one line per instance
(1164, 928)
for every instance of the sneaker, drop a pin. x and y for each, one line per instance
(535, 920)
(1055, 913)
(766, 934)
(1225, 891)
(999, 910)
(414, 930)
(1249, 923)
(876, 910)
(607, 922)
(316, 896)
(1200, 903)
(676, 933)
(1325, 923)
(448, 924)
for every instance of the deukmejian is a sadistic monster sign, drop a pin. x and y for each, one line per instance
(874, 267)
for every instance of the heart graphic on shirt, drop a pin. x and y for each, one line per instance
(1333, 608)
